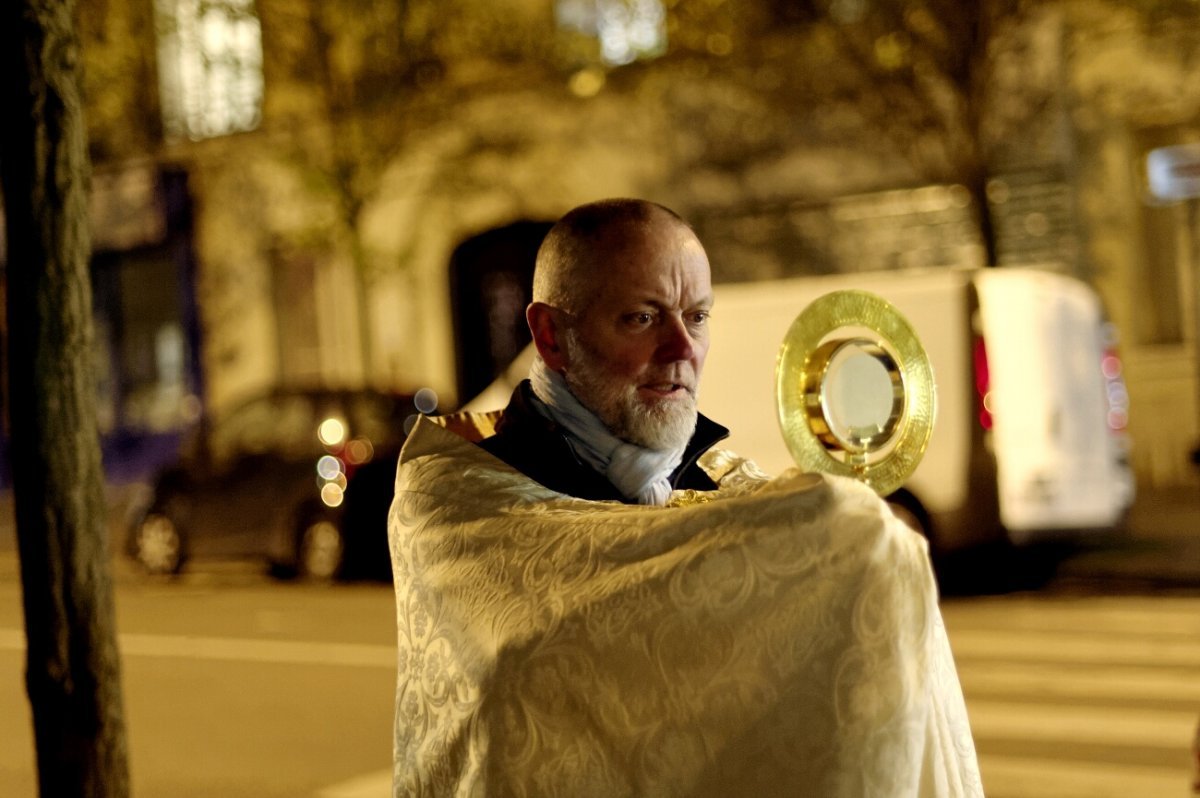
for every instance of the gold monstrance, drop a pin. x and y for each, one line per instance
(854, 390)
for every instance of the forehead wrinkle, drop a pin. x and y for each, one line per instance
(651, 263)
(668, 290)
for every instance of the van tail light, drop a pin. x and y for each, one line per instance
(1115, 391)
(983, 382)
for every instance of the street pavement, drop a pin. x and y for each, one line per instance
(1079, 682)
(1071, 696)
(1157, 549)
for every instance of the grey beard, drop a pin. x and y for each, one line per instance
(662, 427)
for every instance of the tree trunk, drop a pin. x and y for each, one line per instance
(72, 665)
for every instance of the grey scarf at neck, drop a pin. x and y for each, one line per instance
(639, 473)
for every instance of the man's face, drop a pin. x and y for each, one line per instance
(635, 353)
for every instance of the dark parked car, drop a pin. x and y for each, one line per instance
(301, 478)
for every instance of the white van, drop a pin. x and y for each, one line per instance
(1029, 439)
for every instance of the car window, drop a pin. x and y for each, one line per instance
(380, 419)
(279, 425)
(286, 425)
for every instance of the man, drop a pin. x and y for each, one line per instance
(595, 601)
(621, 299)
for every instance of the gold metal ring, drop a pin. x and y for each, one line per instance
(824, 338)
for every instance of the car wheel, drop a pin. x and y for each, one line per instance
(320, 550)
(158, 545)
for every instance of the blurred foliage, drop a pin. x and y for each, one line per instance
(119, 81)
(914, 72)
(351, 82)
(944, 91)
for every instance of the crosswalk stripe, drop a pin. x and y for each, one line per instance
(1083, 647)
(1022, 777)
(258, 650)
(239, 649)
(1118, 615)
(1094, 683)
(1116, 611)
(1095, 698)
(12, 640)
(1112, 725)
(369, 785)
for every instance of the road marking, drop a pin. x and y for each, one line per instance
(1005, 776)
(369, 785)
(1015, 645)
(1124, 615)
(1048, 682)
(1101, 691)
(1062, 723)
(239, 649)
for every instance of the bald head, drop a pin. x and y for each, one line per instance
(621, 298)
(578, 250)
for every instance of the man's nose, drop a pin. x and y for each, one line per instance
(675, 342)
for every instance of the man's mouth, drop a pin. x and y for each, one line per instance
(667, 389)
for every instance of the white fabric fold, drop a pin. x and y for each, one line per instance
(770, 638)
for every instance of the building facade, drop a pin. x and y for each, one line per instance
(349, 192)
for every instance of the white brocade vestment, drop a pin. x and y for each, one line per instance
(781, 638)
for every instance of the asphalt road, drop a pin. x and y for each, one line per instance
(1081, 668)
(239, 686)
(1075, 696)
(234, 686)
(1157, 548)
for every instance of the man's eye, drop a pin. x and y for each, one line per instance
(641, 318)
(700, 317)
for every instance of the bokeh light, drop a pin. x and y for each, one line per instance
(426, 400)
(332, 494)
(359, 451)
(331, 432)
(329, 467)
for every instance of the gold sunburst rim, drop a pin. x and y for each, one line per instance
(821, 329)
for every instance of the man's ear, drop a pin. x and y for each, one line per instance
(546, 324)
